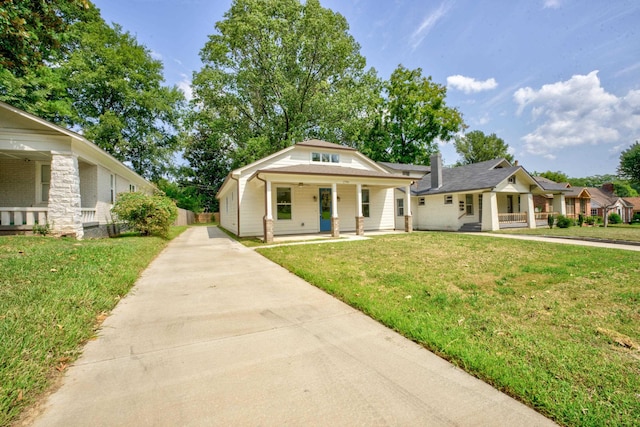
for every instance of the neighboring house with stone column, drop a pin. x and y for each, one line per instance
(311, 187)
(50, 175)
(482, 196)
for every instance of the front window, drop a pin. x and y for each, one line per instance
(400, 207)
(365, 203)
(283, 203)
(571, 206)
(469, 200)
(45, 182)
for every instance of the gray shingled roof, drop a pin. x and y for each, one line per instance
(324, 144)
(471, 177)
(405, 167)
(549, 185)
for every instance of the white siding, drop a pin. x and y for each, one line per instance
(435, 215)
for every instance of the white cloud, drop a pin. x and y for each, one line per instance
(469, 84)
(185, 86)
(577, 112)
(156, 55)
(428, 23)
(551, 4)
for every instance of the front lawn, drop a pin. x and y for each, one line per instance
(53, 295)
(612, 232)
(556, 326)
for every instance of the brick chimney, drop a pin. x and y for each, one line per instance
(436, 170)
(608, 187)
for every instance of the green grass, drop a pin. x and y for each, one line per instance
(54, 293)
(556, 326)
(612, 232)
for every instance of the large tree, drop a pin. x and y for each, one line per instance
(119, 100)
(476, 147)
(35, 30)
(412, 117)
(276, 72)
(630, 163)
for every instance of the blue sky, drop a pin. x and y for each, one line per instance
(558, 80)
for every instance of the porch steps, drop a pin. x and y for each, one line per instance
(471, 227)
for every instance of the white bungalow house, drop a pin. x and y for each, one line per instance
(50, 175)
(311, 187)
(483, 196)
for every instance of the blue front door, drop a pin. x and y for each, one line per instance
(325, 209)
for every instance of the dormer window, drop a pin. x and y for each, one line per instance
(325, 157)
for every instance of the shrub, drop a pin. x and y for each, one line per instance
(564, 222)
(550, 220)
(590, 220)
(580, 220)
(614, 218)
(150, 215)
(636, 218)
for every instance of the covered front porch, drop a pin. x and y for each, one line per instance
(46, 189)
(303, 200)
(517, 210)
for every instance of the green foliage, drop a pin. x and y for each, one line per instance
(630, 163)
(614, 218)
(636, 218)
(476, 147)
(624, 189)
(564, 222)
(592, 181)
(42, 229)
(412, 115)
(551, 220)
(591, 220)
(34, 31)
(185, 197)
(150, 215)
(555, 176)
(275, 73)
(580, 220)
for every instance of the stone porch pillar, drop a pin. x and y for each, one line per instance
(359, 217)
(268, 216)
(335, 220)
(408, 218)
(65, 215)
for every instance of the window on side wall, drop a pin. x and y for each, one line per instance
(421, 201)
(400, 207)
(448, 200)
(132, 188)
(45, 182)
(365, 203)
(283, 203)
(469, 200)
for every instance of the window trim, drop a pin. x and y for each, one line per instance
(366, 213)
(289, 203)
(400, 207)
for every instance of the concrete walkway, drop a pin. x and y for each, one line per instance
(215, 334)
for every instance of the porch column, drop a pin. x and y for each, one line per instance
(359, 217)
(531, 214)
(559, 206)
(490, 220)
(65, 215)
(268, 217)
(335, 221)
(408, 219)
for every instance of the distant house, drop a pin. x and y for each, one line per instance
(481, 196)
(604, 202)
(577, 200)
(51, 175)
(635, 201)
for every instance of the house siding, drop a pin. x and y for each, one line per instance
(435, 215)
(19, 179)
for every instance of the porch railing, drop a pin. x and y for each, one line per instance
(510, 218)
(17, 216)
(23, 216)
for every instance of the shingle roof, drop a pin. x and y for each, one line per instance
(547, 184)
(635, 201)
(471, 177)
(406, 167)
(324, 144)
(601, 197)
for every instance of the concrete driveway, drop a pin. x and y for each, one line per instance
(215, 334)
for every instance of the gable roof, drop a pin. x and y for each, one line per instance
(635, 201)
(324, 144)
(476, 176)
(406, 167)
(600, 198)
